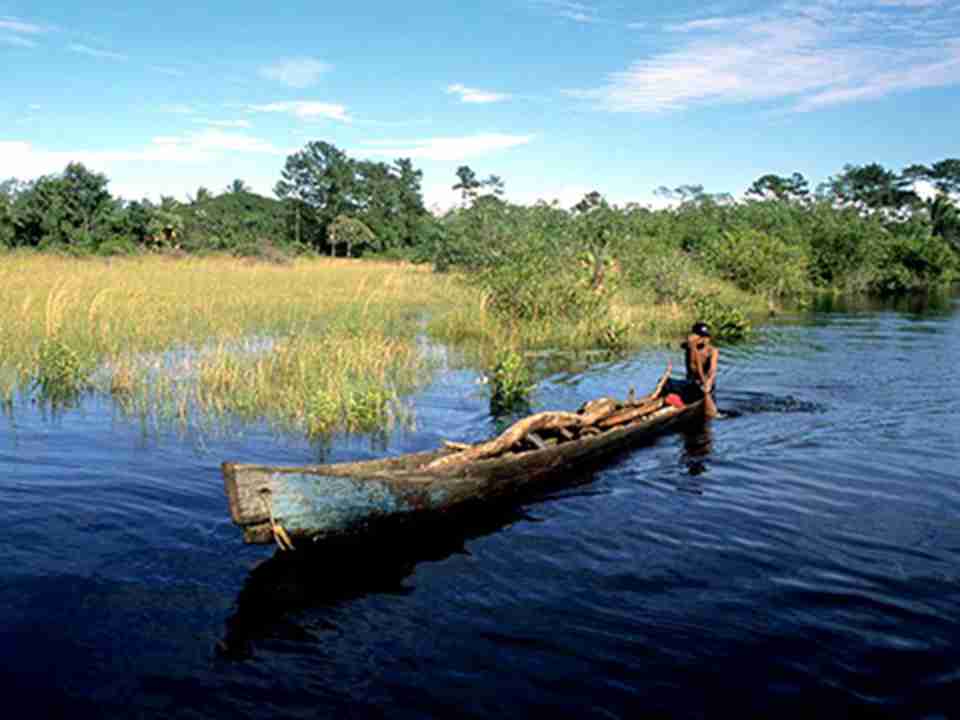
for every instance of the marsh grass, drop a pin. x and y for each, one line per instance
(334, 342)
(315, 346)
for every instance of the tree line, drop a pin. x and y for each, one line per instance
(867, 228)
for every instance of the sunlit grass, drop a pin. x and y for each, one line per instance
(169, 338)
(313, 346)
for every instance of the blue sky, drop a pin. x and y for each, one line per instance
(557, 97)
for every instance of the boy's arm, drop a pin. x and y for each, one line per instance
(712, 375)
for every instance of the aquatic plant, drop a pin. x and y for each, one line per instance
(510, 382)
(727, 322)
(60, 374)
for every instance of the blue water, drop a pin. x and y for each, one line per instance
(800, 557)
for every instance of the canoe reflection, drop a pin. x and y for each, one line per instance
(697, 446)
(333, 573)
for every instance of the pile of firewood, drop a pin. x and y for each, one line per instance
(551, 428)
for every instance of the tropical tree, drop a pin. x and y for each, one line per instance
(467, 183)
(319, 183)
(872, 187)
(778, 187)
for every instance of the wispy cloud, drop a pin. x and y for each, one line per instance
(19, 26)
(201, 151)
(224, 123)
(95, 52)
(475, 96)
(18, 41)
(910, 3)
(296, 72)
(570, 10)
(445, 148)
(215, 141)
(305, 110)
(806, 56)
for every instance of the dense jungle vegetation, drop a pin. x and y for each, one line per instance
(866, 229)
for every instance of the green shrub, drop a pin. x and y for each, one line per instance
(510, 382)
(117, 246)
(60, 374)
(913, 258)
(726, 321)
(757, 262)
(670, 275)
(613, 335)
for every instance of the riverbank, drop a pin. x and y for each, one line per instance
(311, 345)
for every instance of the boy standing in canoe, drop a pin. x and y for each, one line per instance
(702, 358)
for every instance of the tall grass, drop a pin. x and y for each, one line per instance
(315, 345)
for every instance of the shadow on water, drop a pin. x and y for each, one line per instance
(697, 447)
(334, 573)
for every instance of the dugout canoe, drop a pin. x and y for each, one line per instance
(294, 506)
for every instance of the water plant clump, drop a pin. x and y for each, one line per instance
(727, 322)
(61, 376)
(510, 382)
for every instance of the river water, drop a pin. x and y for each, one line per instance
(800, 556)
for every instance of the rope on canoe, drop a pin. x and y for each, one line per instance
(280, 535)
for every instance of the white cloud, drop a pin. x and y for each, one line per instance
(18, 26)
(296, 72)
(25, 161)
(909, 3)
(445, 148)
(94, 52)
(18, 41)
(918, 72)
(224, 123)
(215, 140)
(568, 9)
(174, 165)
(475, 96)
(715, 23)
(305, 110)
(809, 56)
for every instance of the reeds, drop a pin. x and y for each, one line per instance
(315, 346)
(319, 345)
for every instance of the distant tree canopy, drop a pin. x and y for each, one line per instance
(777, 187)
(321, 183)
(866, 228)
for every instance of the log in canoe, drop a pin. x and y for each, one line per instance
(294, 506)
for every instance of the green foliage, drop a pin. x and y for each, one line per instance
(60, 374)
(613, 335)
(117, 246)
(913, 259)
(510, 383)
(757, 262)
(368, 409)
(793, 188)
(669, 274)
(872, 187)
(350, 233)
(726, 321)
(321, 183)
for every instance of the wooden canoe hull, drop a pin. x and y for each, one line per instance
(315, 502)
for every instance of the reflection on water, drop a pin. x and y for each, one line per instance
(332, 574)
(697, 444)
